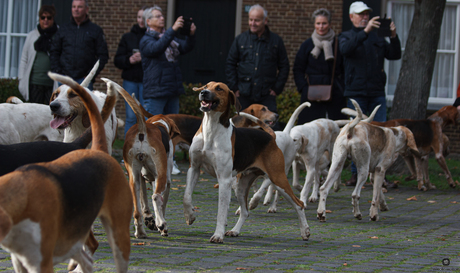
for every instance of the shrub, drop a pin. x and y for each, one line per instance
(287, 102)
(8, 88)
(189, 103)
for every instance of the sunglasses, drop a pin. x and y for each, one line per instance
(46, 17)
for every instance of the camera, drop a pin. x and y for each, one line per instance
(185, 30)
(384, 30)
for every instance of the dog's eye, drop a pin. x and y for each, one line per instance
(264, 109)
(219, 89)
(72, 95)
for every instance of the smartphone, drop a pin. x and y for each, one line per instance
(384, 30)
(135, 50)
(185, 30)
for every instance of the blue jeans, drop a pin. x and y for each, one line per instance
(167, 105)
(136, 88)
(79, 81)
(367, 105)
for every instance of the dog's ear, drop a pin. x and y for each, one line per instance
(85, 120)
(234, 101)
(199, 88)
(6, 223)
(174, 129)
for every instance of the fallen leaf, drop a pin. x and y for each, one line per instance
(396, 181)
(453, 202)
(456, 182)
(242, 268)
(409, 240)
(204, 179)
(363, 187)
(384, 190)
(374, 237)
(328, 211)
(345, 264)
(195, 207)
(356, 246)
(139, 244)
(413, 198)
(174, 189)
(181, 186)
(148, 188)
(431, 201)
(391, 198)
(176, 180)
(216, 186)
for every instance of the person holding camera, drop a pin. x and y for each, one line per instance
(364, 52)
(128, 58)
(159, 52)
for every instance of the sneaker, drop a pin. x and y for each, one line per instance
(175, 169)
(352, 181)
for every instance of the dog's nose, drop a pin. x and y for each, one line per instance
(54, 106)
(205, 92)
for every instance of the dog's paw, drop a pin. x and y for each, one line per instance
(189, 219)
(373, 218)
(306, 234)
(140, 235)
(359, 216)
(216, 239)
(271, 210)
(409, 178)
(253, 203)
(232, 233)
(238, 211)
(321, 216)
(312, 199)
(297, 187)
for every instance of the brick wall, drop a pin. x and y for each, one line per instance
(290, 19)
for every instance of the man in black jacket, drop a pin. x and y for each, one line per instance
(257, 63)
(364, 53)
(78, 45)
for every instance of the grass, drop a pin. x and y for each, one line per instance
(436, 174)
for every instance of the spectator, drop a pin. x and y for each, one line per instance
(128, 58)
(34, 83)
(160, 51)
(364, 53)
(257, 63)
(315, 60)
(78, 45)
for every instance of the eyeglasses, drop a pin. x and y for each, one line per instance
(46, 17)
(158, 16)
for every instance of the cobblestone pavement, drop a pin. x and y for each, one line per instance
(413, 236)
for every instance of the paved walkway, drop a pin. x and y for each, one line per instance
(413, 236)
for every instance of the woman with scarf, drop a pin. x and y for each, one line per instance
(34, 83)
(313, 65)
(160, 51)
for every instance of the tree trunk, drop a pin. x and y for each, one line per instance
(413, 87)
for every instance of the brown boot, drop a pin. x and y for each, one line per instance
(352, 181)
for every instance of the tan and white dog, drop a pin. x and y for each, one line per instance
(225, 151)
(148, 154)
(47, 209)
(373, 149)
(26, 122)
(71, 115)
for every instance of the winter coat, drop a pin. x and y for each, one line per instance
(75, 49)
(161, 77)
(364, 56)
(256, 65)
(128, 42)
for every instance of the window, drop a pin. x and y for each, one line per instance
(445, 76)
(17, 18)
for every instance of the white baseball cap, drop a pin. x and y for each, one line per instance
(358, 7)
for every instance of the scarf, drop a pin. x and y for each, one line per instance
(173, 49)
(43, 43)
(324, 43)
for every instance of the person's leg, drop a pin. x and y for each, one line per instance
(334, 108)
(381, 114)
(79, 81)
(172, 106)
(131, 87)
(155, 106)
(245, 102)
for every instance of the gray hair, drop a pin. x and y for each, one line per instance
(86, 3)
(148, 13)
(257, 6)
(322, 12)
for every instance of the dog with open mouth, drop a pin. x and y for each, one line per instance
(71, 115)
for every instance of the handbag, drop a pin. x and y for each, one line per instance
(322, 92)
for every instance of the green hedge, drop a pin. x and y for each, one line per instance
(8, 88)
(287, 102)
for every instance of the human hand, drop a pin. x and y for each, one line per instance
(178, 24)
(373, 23)
(273, 93)
(192, 29)
(393, 29)
(237, 93)
(135, 58)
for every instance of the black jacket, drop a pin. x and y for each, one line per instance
(75, 49)
(256, 65)
(364, 56)
(319, 70)
(128, 42)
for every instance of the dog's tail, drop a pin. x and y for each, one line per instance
(84, 140)
(132, 103)
(14, 100)
(356, 120)
(87, 80)
(262, 124)
(98, 137)
(294, 116)
(354, 113)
